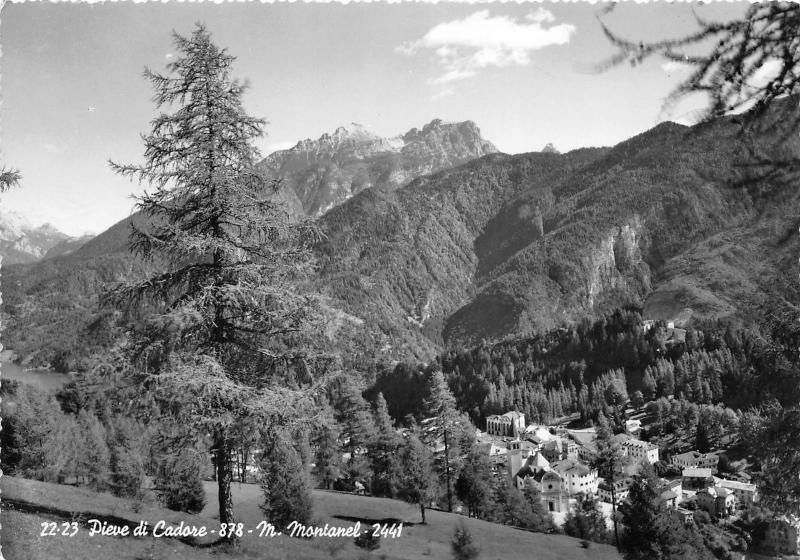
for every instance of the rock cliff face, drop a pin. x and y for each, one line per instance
(611, 265)
(321, 174)
(22, 242)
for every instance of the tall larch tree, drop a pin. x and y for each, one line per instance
(221, 329)
(447, 424)
(610, 463)
(417, 484)
(382, 451)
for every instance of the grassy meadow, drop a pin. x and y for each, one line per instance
(21, 521)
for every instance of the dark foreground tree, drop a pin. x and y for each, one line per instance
(178, 483)
(610, 463)
(285, 482)
(328, 458)
(586, 521)
(219, 332)
(382, 452)
(417, 484)
(448, 425)
(652, 531)
(474, 484)
(773, 436)
(540, 519)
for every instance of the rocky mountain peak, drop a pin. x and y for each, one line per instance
(325, 172)
(21, 241)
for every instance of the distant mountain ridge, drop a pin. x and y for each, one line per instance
(321, 174)
(673, 220)
(22, 242)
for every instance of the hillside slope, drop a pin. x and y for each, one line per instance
(677, 220)
(674, 220)
(21, 531)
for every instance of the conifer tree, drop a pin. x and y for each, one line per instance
(284, 481)
(94, 456)
(474, 483)
(127, 459)
(586, 521)
(448, 425)
(63, 449)
(417, 483)
(382, 452)
(463, 544)
(37, 421)
(609, 463)
(701, 438)
(328, 458)
(220, 341)
(652, 532)
(352, 412)
(510, 505)
(178, 483)
(540, 518)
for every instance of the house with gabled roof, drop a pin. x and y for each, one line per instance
(745, 493)
(717, 502)
(578, 478)
(697, 479)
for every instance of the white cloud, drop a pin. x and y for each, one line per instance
(445, 92)
(465, 46)
(168, 56)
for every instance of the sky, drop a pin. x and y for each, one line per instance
(73, 95)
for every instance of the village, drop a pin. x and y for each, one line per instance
(558, 461)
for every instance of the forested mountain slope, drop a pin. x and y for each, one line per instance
(674, 219)
(677, 220)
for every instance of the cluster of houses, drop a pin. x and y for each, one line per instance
(557, 462)
(554, 460)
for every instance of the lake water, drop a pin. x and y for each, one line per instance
(43, 377)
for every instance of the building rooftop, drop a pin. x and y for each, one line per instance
(639, 443)
(668, 495)
(538, 462)
(689, 455)
(507, 417)
(693, 472)
(736, 485)
(587, 440)
(571, 466)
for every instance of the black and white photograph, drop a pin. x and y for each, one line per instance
(400, 280)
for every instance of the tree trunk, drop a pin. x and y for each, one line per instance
(224, 470)
(447, 473)
(614, 509)
(422, 511)
(245, 458)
